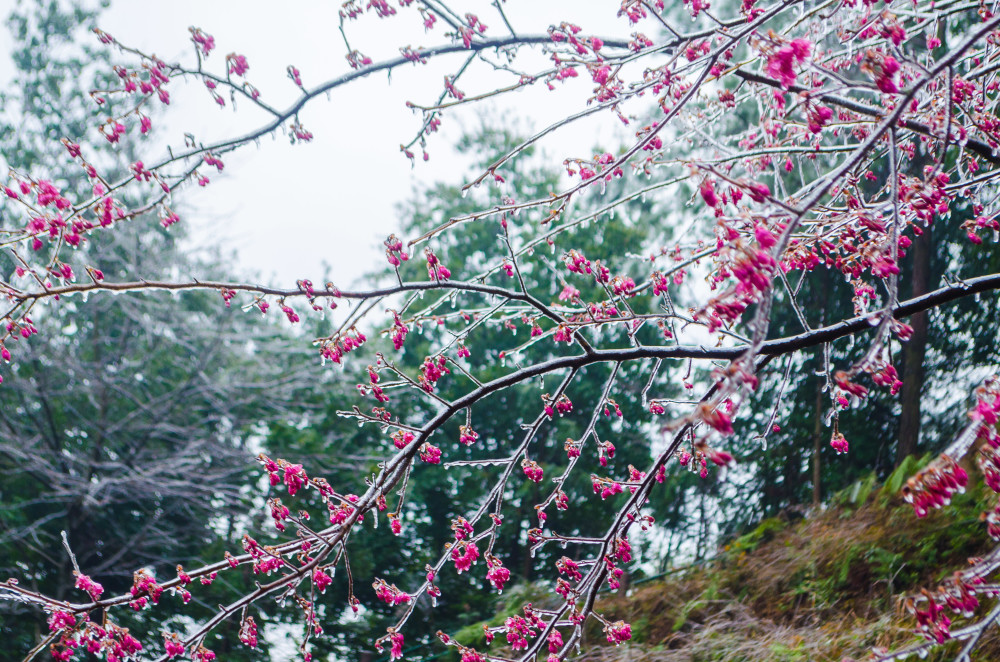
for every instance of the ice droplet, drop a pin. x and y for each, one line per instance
(763, 443)
(465, 192)
(532, 552)
(434, 601)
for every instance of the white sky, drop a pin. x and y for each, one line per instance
(286, 209)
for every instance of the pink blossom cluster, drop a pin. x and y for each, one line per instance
(606, 487)
(562, 405)
(576, 262)
(390, 594)
(753, 270)
(402, 438)
(204, 42)
(334, 349)
(61, 620)
(172, 645)
(248, 632)
(394, 252)
(461, 528)
(519, 629)
(144, 589)
(933, 486)
(279, 513)
(293, 475)
(978, 224)
(464, 554)
(467, 436)
(433, 369)
(496, 574)
(782, 61)
(532, 470)
(435, 270)
(430, 453)
(85, 583)
(398, 331)
(237, 64)
(618, 632)
(605, 451)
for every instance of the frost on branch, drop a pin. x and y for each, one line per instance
(767, 143)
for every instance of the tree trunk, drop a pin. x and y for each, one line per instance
(913, 353)
(817, 446)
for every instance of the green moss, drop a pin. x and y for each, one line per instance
(764, 532)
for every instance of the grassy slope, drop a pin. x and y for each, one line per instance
(822, 588)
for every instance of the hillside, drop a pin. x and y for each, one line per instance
(824, 587)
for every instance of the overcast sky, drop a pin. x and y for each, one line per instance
(290, 209)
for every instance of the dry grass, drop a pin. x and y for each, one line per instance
(825, 588)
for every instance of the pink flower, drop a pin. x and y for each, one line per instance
(618, 632)
(781, 63)
(759, 192)
(464, 554)
(321, 580)
(396, 651)
(838, 443)
(61, 620)
(708, 193)
(430, 454)
(569, 567)
(85, 583)
(568, 293)
(205, 41)
(716, 418)
(532, 470)
(720, 458)
(402, 438)
(173, 646)
(117, 131)
(295, 478)
(237, 64)
(467, 436)
(391, 595)
(497, 574)
(764, 236)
